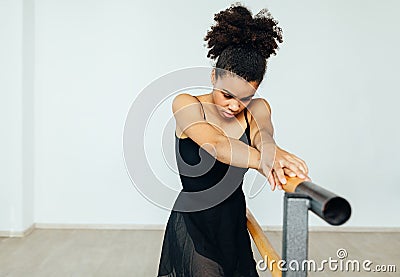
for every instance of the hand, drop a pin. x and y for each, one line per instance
(287, 164)
(267, 161)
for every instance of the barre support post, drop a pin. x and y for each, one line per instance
(295, 234)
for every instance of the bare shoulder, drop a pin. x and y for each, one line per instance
(259, 107)
(183, 100)
(260, 111)
(188, 116)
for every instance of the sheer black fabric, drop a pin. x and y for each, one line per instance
(210, 242)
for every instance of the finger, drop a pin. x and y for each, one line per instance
(280, 174)
(289, 172)
(278, 183)
(276, 178)
(271, 180)
(293, 166)
(303, 165)
(300, 163)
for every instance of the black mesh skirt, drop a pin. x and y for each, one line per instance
(212, 242)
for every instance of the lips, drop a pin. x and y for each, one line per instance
(229, 115)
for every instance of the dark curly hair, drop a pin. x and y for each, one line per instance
(242, 43)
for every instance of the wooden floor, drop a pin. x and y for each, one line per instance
(53, 252)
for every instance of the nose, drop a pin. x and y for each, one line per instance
(234, 105)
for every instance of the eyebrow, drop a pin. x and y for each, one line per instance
(231, 94)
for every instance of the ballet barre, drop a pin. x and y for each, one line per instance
(300, 197)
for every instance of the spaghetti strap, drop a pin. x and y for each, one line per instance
(245, 116)
(247, 126)
(204, 114)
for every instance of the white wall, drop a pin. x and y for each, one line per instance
(332, 89)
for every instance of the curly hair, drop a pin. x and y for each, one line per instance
(242, 43)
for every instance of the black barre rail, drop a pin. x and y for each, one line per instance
(330, 207)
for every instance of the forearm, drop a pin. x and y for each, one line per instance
(263, 137)
(237, 153)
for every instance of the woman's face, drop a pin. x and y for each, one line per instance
(232, 94)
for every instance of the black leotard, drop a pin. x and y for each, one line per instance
(214, 241)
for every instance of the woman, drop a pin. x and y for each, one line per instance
(229, 132)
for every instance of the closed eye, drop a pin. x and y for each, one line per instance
(246, 99)
(229, 96)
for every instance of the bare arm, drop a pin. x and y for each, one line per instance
(261, 125)
(283, 162)
(262, 130)
(188, 116)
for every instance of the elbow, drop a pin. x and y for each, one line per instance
(222, 146)
(216, 146)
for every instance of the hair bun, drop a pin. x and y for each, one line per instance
(236, 27)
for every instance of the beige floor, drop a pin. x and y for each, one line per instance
(50, 252)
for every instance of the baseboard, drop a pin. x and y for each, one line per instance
(143, 227)
(353, 229)
(161, 227)
(18, 234)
